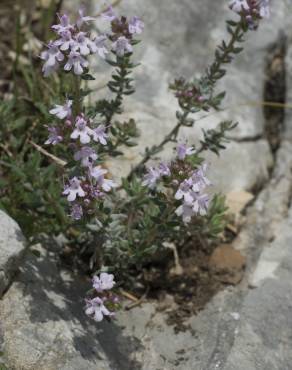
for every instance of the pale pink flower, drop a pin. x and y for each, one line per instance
(183, 151)
(77, 62)
(64, 24)
(96, 309)
(136, 25)
(98, 172)
(52, 57)
(100, 135)
(81, 130)
(65, 42)
(86, 155)
(82, 18)
(164, 169)
(201, 204)
(186, 212)
(109, 14)
(55, 136)
(62, 111)
(122, 46)
(100, 46)
(151, 177)
(73, 190)
(104, 282)
(84, 44)
(106, 184)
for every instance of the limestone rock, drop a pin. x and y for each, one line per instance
(12, 247)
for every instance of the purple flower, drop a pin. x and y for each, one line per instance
(54, 136)
(86, 155)
(100, 46)
(199, 178)
(99, 134)
(194, 204)
(251, 10)
(136, 25)
(96, 309)
(81, 130)
(52, 57)
(83, 19)
(109, 14)
(201, 204)
(64, 24)
(83, 44)
(65, 42)
(186, 212)
(104, 282)
(151, 178)
(239, 5)
(95, 192)
(106, 184)
(265, 8)
(183, 151)
(122, 46)
(62, 111)
(98, 172)
(73, 190)
(76, 61)
(184, 191)
(189, 191)
(164, 169)
(76, 212)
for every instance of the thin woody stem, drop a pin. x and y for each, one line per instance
(211, 76)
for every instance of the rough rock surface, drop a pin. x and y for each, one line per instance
(251, 328)
(168, 52)
(264, 333)
(247, 327)
(12, 246)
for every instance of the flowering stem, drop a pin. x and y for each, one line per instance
(156, 149)
(213, 74)
(119, 97)
(120, 85)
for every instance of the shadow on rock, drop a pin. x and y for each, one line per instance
(52, 300)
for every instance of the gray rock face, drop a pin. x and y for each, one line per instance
(180, 39)
(12, 246)
(263, 339)
(43, 325)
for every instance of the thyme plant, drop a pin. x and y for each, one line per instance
(154, 205)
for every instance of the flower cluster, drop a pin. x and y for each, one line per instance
(251, 10)
(106, 302)
(188, 93)
(154, 174)
(81, 191)
(123, 31)
(190, 191)
(73, 44)
(70, 49)
(190, 188)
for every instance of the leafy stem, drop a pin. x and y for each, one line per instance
(120, 85)
(215, 72)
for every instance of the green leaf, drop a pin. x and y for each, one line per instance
(87, 77)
